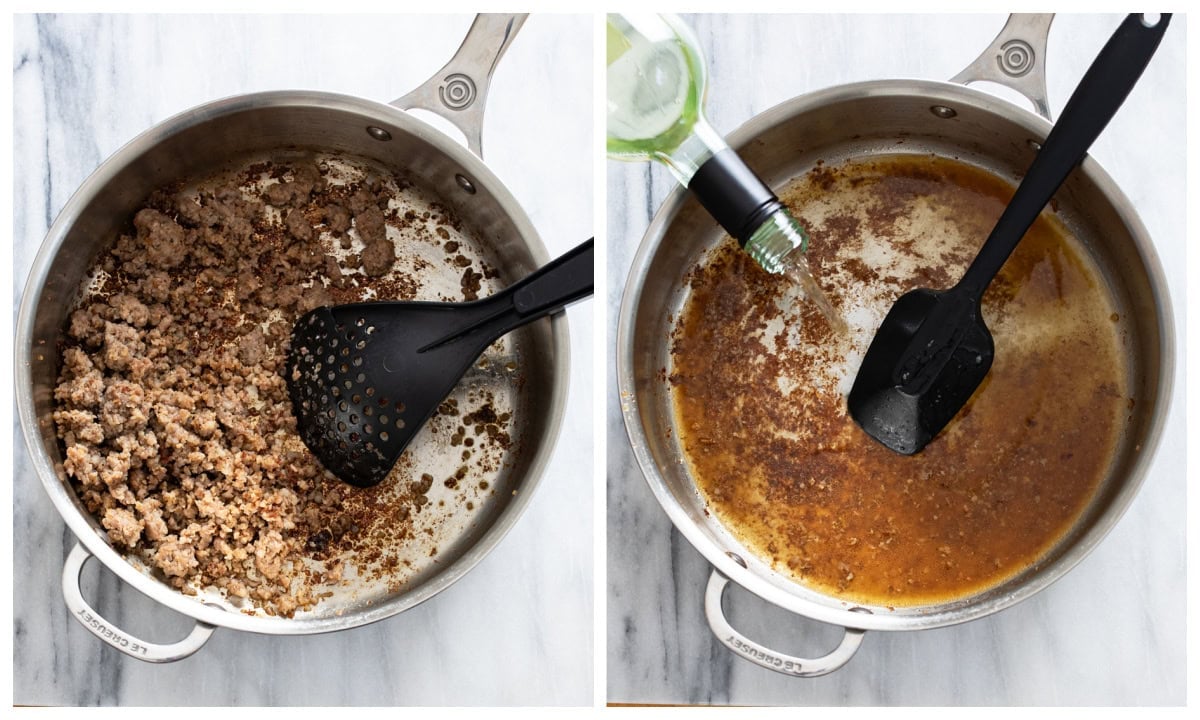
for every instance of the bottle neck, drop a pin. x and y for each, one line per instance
(775, 239)
(696, 149)
(734, 195)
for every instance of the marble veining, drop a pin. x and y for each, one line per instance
(1112, 631)
(517, 629)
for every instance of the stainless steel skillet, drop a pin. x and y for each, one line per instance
(199, 140)
(864, 120)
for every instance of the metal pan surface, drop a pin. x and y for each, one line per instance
(865, 120)
(347, 134)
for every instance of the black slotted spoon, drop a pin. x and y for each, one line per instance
(364, 377)
(933, 349)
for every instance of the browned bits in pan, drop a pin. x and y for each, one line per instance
(759, 387)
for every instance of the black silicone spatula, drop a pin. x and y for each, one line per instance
(933, 349)
(364, 377)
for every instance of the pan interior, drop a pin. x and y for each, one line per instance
(470, 499)
(797, 138)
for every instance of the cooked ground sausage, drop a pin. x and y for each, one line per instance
(176, 425)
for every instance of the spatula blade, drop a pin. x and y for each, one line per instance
(930, 354)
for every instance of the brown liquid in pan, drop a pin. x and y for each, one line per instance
(760, 384)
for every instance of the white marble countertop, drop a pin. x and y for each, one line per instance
(517, 629)
(1110, 632)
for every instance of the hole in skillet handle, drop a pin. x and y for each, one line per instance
(441, 124)
(446, 128)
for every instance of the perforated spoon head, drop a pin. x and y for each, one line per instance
(345, 399)
(363, 378)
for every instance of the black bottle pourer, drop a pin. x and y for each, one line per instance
(734, 195)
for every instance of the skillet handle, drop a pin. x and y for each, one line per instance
(763, 656)
(458, 92)
(115, 636)
(1016, 59)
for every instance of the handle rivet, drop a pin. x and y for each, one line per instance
(736, 558)
(943, 112)
(379, 133)
(465, 184)
(1037, 146)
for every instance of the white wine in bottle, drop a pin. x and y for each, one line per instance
(656, 89)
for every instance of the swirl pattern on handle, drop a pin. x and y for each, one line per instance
(1016, 58)
(457, 91)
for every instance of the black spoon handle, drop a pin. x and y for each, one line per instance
(569, 277)
(1104, 87)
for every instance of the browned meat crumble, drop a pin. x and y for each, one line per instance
(175, 421)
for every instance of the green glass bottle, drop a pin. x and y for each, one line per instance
(656, 90)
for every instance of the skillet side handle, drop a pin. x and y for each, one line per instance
(1016, 59)
(115, 636)
(458, 92)
(763, 656)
